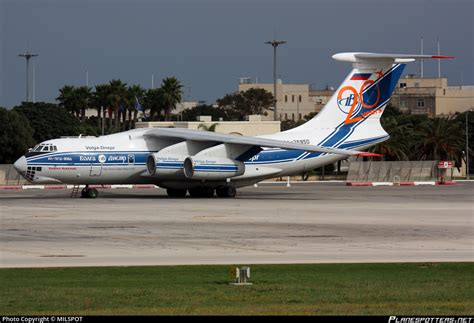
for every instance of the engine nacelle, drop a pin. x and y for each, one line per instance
(197, 167)
(165, 165)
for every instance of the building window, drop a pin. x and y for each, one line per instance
(292, 98)
(420, 103)
(292, 117)
(299, 117)
(417, 84)
(299, 98)
(403, 104)
(403, 85)
(286, 116)
(286, 98)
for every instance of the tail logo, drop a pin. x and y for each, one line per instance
(349, 100)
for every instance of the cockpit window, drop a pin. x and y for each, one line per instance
(45, 147)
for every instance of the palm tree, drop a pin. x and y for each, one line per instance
(100, 98)
(439, 139)
(136, 92)
(66, 99)
(171, 95)
(118, 98)
(83, 100)
(211, 128)
(401, 139)
(153, 101)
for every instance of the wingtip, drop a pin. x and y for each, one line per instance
(366, 154)
(442, 56)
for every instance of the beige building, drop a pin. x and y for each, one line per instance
(180, 107)
(253, 127)
(293, 101)
(431, 96)
(320, 97)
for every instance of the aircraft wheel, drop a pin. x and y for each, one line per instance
(201, 192)
(172, 192)
(92, 193)
(84, 192)
(195, 192)
(226, 191)
(207, 192)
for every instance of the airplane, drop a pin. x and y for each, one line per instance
(205, 164)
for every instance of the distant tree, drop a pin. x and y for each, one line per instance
(391, 111)
(290, 124)
(400, 142)
(211, 128)
(136, 92)
(16, 135)
(118, 99)
(76, 100)
(170, 95)
(216, 113)
(310, 116)
(67, 99)
(101, 102)
(460, 119)
(84, 100)
(48, 120)
(153, 102)
(439, 139)
(253, 101)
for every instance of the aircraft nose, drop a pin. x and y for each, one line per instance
(20, 164)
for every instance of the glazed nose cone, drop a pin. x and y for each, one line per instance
(20, 164)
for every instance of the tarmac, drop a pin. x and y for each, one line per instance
(271, 223)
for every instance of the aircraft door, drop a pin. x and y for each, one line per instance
(96, 168)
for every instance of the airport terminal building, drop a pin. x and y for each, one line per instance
(413, 94)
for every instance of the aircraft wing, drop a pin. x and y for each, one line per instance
(222, 138)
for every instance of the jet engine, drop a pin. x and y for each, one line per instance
(165, 165)
(213, 168)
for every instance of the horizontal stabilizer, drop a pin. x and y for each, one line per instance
(397, 58)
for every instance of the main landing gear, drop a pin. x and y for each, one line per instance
(89, 192)
(226, 191)
(203, 191)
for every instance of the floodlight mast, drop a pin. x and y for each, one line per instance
(28, 55)
(275, 44)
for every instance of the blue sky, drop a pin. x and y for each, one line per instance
(209, 44)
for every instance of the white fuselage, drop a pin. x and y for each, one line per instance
(121, 159)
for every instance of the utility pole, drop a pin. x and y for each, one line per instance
(27, 55)
(421, 60)
(275, 44)
(439, 61)
(34, 88)
(467, 146)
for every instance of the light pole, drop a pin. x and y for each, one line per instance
(467, 144)
(27, 55)
(275, 44)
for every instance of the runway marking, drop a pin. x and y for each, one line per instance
(61, 256)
